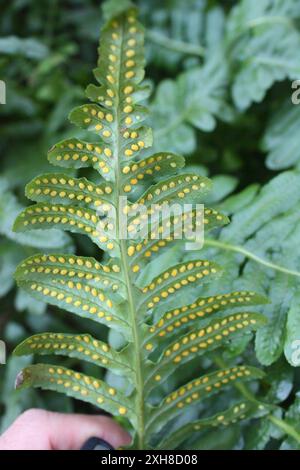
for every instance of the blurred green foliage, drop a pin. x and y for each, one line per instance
(221, 75)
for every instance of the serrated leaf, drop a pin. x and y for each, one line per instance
(49, 240)
(196, 390)
(181, 103)
(239, 411)
(83, 347)
(270, 339)
(48, 279)
(172, 281)
(168, 230)
(75, 153)
(76, 385)
(58, 188)
(72, 218)
(121, 293)
(181, 188)
(155, 166)
(292, 339)
(74, 268)
(199, 342)
(178, 319)
(281, 139)
(262, 39)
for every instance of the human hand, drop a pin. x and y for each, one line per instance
(44, 430)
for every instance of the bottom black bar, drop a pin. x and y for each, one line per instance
(134, 459)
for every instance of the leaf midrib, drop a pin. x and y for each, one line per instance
(125, 268)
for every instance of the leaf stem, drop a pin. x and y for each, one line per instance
(137, 366)
(250, 255)
(284, 426)
(175, 45)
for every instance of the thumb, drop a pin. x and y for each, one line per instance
(44, 430)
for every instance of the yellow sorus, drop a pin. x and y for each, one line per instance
(130, 53)
(110, 79)
(128, 109)
(135, 268)
(128, 90)
(129, 74)
(130, 63)
(126, 170)
(131, 251)
(107, 152)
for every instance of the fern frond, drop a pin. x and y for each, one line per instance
(112, 293)
(196, 390)
(237, 412)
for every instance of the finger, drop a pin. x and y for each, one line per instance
(72, 431)
(43, 430)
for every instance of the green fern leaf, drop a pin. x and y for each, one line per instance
(77, 385)
(237, 412)
(82, 347)
(199, 389)
(112, 293)
(199, 342)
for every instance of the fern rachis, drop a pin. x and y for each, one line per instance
(159, 335)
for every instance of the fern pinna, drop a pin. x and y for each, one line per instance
(160, 337)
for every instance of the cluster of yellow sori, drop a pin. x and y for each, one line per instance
(82, 153)
(150, 166)
(197, 269)
(62, 187)
(203, 386)
(95, 291)
(238, 413)
(183, 316)
(96, 305)
(72, 291)
(119, 69)
(205, 337)
(83, 276)
(84, 385)
(85, 345)
(166, 231)
(77, 219)
(175, 229)
(178, 186)
(76, 262)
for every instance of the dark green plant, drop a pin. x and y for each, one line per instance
(163, 321)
